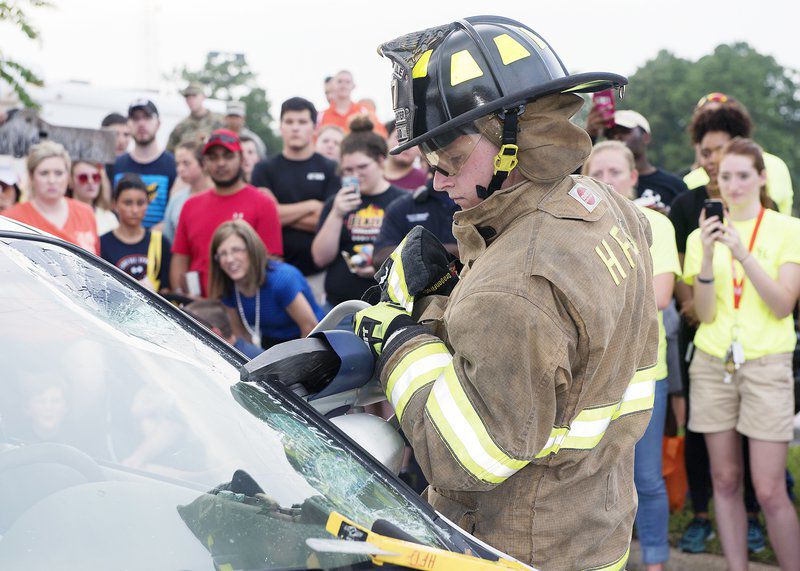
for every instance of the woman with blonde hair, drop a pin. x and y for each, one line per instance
(744, 268)
(48, 208)
(89, 184)
(329, 142)
(268, 301)
(612, 162)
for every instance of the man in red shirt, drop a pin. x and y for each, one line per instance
(230, 199)
(343, 108)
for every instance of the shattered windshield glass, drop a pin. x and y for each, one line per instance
(125, 437)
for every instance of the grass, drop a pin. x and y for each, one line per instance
(679, 520)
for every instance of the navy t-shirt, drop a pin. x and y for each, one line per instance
(660, 184)
(282, 284)
(427, 208)
(132, 258)
(157, 175)
(294, 181)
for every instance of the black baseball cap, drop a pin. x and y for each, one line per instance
(144, 104)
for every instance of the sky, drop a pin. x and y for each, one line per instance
(293, 45)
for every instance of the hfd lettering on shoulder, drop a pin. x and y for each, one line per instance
(610, 259)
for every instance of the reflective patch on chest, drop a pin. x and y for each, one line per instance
(586, 197)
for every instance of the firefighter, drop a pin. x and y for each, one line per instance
(521, 384)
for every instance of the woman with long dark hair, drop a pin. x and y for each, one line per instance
(351, 219)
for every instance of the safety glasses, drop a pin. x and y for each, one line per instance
(449, 160)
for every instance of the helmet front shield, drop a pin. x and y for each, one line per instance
(409, 54)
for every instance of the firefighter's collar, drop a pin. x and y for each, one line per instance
(477, 227)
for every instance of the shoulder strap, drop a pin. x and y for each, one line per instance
(154, 259)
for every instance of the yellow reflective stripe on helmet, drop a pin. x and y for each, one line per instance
(398, 290)
(416, 370)
(590, 425)
(421, 67)
(510, 49)
(463, 67)
(618, 565)
(585, 85)
(464, 432)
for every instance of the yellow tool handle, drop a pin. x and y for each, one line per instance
(413, 555)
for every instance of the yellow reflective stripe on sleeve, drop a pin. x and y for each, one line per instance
(398, 290)
(416, 370)
(510, 49)
(639, 395)
(618, 565)
(421, 67)
(463, 67)
(464, 432)
(590, 425)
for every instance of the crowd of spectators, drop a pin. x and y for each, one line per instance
(260, 243)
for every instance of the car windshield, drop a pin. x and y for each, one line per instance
(127, 438)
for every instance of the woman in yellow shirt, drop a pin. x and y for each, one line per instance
(612, 162)
(745, 272)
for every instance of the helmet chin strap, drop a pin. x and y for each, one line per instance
(506, 159)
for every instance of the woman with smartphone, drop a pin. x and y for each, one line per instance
(351, 219)
(745, 272)
(268, 301)
(612, 162)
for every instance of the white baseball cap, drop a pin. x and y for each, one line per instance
(8, 175)
(631, 119)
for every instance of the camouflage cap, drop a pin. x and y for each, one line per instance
(194, 88)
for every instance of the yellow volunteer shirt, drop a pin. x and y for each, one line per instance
(664, 252)
(779, 182)
(760, 331)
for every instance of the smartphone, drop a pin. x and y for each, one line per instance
(713, 208)
(604, 102)
(351, 181)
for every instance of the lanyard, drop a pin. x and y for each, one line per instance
(255, 331)
(738, 285)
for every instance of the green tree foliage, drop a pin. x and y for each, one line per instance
(228, 76)
(666, 88)
(16, 75)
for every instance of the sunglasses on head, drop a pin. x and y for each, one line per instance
(715, 97)
(222, 138)
(84, 178)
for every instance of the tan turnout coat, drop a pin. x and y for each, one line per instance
(554, 313)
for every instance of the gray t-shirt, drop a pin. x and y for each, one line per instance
(173, 212)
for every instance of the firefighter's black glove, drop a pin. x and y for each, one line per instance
(377, 323)
(419, 266)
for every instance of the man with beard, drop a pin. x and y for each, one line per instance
(155, 166)
(301, 180)
(231, 198)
